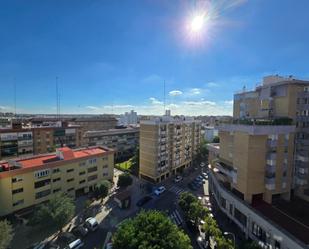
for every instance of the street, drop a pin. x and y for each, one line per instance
(166, 202)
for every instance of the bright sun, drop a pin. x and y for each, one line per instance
(197, 23)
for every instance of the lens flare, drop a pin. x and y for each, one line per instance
(197, 23)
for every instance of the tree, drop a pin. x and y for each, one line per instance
(135, 163)
(6, 234)
(124, 180)
(150, 230)
(250, 245)
(192, 207)
(102, 188)
(216, 139)
(56, 213)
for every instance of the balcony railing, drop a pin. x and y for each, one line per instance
(227, 170)
(270, 183)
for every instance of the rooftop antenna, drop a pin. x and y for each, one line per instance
(14, 97)
(164, 96)
(57, 99)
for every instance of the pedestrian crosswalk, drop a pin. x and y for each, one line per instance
(177, 190)
(175, 217)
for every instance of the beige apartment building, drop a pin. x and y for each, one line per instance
(167, 146)
(25, 183)
(263, 158)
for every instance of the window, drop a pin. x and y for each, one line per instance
(16, 191)
(277, 244)
(82, 173)
(91, 178)
(105, 166)
(93, 169)
(105, 158)
(56, 179)
(42, 194)
(17, 203)
(70, 180)
(42, 183)
(41, 173)
(70, 189)
(240, 217)
(93, 160)
(82, 181)
(70, 170)
(56, 190)
(17, 179)
(105, 174)
(56, 170)
(82, 164)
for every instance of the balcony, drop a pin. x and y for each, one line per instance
(272, 143)
(302, 158)
(270, 169)
(255, 129)
(270, 182)
(227, 170)
(301, 182)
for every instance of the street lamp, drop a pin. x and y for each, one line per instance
(233, 235)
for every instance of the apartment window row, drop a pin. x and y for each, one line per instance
(42, 183)
(70, 189)
(57, 179)
(82, 181)
(17, 179)
(17, 203)
(105, 166)
(82, 164)
(41, 173)
(93, 160)
(70, 170)
(93, 169)
(82, 173)
(42, 194)
(91, 178)
(56, 170)
(18, 190)
(70, 180)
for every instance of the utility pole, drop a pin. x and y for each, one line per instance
(164, 97)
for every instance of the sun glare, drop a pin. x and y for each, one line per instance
(197, 23)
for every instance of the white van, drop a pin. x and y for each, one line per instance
(92, 224)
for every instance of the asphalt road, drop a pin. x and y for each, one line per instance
(167, 202)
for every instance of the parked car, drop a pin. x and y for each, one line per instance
(160, 190)
(76, 244)
(178, 179)
(193, 186)
(64, 239)
(143, 201)
(92, 224)
(199, 178)
(80, 231)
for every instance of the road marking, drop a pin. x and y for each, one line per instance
(176, 190)
(176, 218)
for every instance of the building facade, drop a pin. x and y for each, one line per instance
(28, 182)
(129, 118)
(124, 141)
(23, 142)
(96, 123)
(167, 146)
(257, 163)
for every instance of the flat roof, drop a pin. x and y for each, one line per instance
(50, 159)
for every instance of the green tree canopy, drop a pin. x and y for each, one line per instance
(55, 213)
(102, 188)
(150, 230)
(6, 234)
(192, 207)
(124, 180)
(135, 162)
(216, 139)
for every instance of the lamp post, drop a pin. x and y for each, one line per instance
(233, 235)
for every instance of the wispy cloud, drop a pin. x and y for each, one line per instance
(195, 91)
(175, 93)
(92, 108)
(155, 101)
(212, 84)
(228, 102)
(200, 103)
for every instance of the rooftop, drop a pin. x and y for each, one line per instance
(62, 154)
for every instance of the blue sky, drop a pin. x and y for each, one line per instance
(114, 55)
